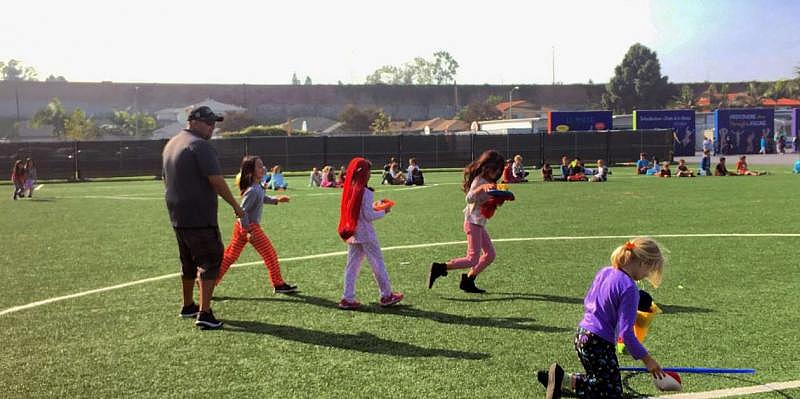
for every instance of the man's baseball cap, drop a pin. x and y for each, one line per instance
(205, 114)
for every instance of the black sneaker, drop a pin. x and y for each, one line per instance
(468, 285)
(285, 289)
(437, 270)
(207, 321)
(541, 376)
(190, 311)
(554, 379)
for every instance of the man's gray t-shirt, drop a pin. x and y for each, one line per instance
(188, 160)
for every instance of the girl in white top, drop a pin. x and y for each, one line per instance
(480, 176)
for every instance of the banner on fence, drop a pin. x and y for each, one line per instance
(567, 121)
(738, 131)
(681, 121)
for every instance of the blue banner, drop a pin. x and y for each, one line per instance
(567, 121)
(681, 121)
(739, 131)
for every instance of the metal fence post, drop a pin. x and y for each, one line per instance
(324, 150)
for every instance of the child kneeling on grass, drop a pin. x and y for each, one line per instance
(610, 308)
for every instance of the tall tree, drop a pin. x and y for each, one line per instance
(685, 99)
(79, 126)
(15, 70)
(444, 68)
(132, 124)
(52, 114)
(53, 78)
(308, 80)
(637, 82)
(481, 111)
(381, 122)
(386, 74)
(356, 120)
(441, 70)
(295, 79)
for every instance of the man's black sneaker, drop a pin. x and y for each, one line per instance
(190, 311)
(437, 270)
(285, 289)
(541, 376)
(207, 321)
(555, 376)
(468, 285)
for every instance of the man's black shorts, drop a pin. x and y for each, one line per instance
(201, 249)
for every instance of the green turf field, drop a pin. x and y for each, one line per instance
(728, 301)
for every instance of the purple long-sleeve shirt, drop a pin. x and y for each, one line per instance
(610, 309)
(364, 230)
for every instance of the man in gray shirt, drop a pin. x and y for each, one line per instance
(193, 179)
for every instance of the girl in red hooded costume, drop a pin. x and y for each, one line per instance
(355, 228)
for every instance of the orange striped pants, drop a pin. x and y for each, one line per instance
(262, 245)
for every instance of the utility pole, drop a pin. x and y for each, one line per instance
(554, 65)
(136, 109)
(455, 96)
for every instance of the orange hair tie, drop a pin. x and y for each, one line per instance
(629, 245)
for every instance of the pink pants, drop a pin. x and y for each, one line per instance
(477, 239)
(356, 252)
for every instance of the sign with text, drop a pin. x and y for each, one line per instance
(681, 121)
(739, 131)
(567, 121)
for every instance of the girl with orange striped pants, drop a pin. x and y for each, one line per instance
(248, 228)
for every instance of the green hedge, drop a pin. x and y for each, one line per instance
(262, 131)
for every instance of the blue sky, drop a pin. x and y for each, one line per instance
(237, 41)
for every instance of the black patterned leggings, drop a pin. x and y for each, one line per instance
(599, 358)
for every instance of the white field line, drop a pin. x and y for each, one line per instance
(392, 248)
(723, 393)
(39, 187)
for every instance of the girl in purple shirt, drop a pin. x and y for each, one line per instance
(610, 311)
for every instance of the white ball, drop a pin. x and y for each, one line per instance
(670, 382)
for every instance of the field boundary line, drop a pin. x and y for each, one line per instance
(723, 393)
(14, 309)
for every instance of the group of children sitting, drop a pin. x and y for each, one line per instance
(514, 171)
(326, 178)
(393, 175)
(644, 167)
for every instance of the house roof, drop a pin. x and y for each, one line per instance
(767, 102)
(504, 106)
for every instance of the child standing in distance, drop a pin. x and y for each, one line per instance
(610, 311)
(18, 178)
(355, 228)
(248, 228)
(30, 177)
(480, 176)
(705, 164)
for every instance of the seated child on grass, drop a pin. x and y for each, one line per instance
(742, 170)
(547, 172)
(683, 170)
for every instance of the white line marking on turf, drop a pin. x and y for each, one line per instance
(722, 393)
(396, 247)
(38, 187)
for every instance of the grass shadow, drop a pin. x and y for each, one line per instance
(513, 323)
(360, 342)
(683, 309)
(518, 296)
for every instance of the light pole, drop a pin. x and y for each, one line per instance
(136, 109)
(510, 93)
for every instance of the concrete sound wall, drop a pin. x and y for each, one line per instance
(282, 101)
